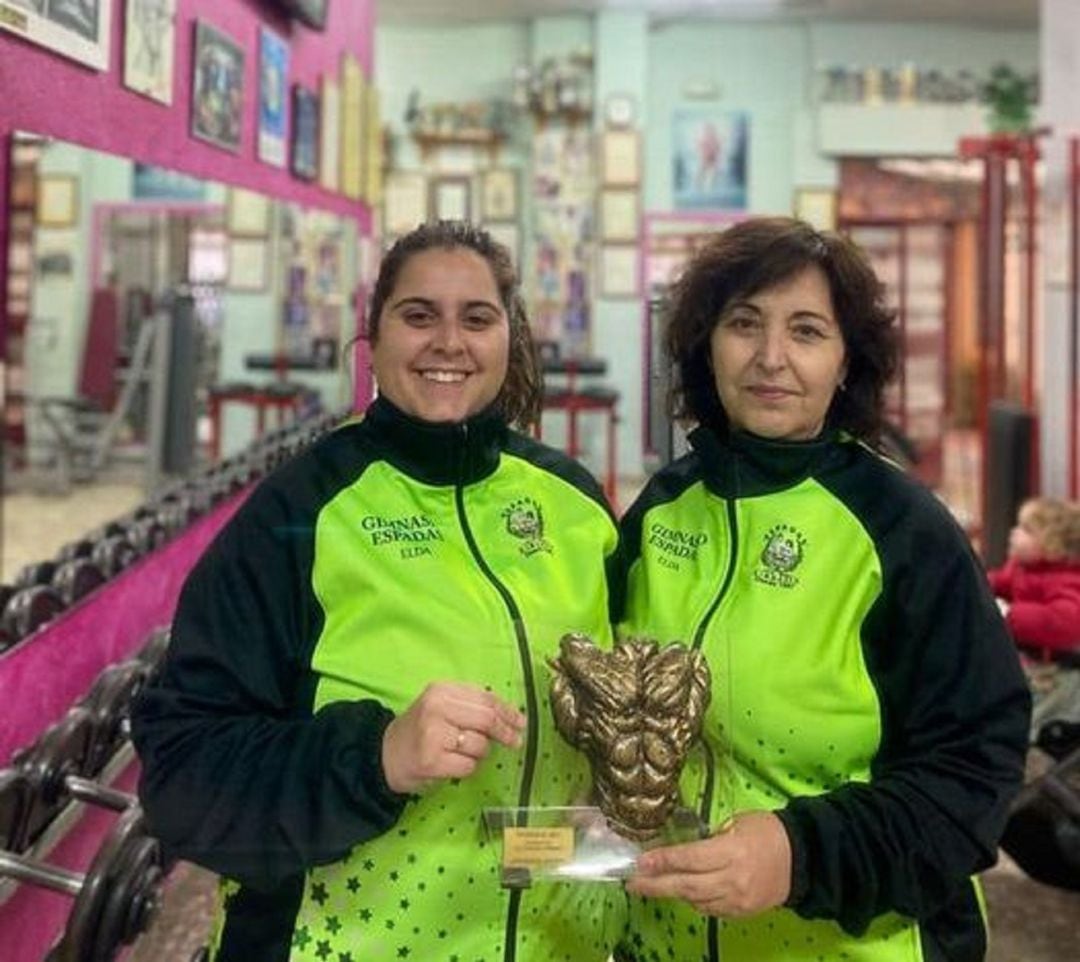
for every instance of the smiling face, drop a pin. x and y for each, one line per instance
(443, 341)
(778, 358)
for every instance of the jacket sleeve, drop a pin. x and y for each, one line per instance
(238, 774)
(1052, 622)
(954, 709)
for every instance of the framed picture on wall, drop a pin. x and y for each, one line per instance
(404, 202)
(620, 213)
(709, 159)
(217, 87)
(507, 234)
(247, 213)
(619, 270)
(330, 134)
(619, 161)
(451, 197)
(273, 97)
(499, 194)
(373, 147)
(149, 40)
(248, 264)
(57, 200)
(352, 130)
(816, 206)
(305, 133)
(78, 29)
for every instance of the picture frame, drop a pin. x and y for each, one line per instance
(816, 206)
(304, 155)
(57, 200)
(499, 195)
(620, 160)
(508, 234)
(709, 159)
(352, 127)
(330, 134)
(273, 97)
(247, 213)
(405, 202)
(618, 270)
(451, 197)
(79, 31)
(248, 268)
(620, 214)
(149, 45)
(217, 88)
(373, 146)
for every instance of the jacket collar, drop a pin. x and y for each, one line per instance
(437, 453)
(737, 464)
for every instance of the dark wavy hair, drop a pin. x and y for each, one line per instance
(751, 256)
(519, 398)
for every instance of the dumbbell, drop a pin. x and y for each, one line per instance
(36, 573)
(52, 772)
(152, 654)
(109, 703)
(76, 578)
(30, 608)
(146, 532)
(113, 552)
(115, 900)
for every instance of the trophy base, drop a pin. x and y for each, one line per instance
(573, 843)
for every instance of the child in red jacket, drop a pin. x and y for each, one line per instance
(1040, 588)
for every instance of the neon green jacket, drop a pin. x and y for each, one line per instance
(391, 554)
(864, 688)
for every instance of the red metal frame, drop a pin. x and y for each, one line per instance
(1074, 315)
(996, 152)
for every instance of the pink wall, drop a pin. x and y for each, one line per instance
(48, 94)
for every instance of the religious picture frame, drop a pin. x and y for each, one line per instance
(217, 87)
(149, 46)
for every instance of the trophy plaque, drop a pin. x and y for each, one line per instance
(635, 713)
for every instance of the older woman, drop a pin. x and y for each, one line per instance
(358, 663)
(868, 718)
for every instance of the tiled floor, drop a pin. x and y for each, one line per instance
(1030, 922)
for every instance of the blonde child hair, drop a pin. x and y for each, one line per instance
(1056, 525)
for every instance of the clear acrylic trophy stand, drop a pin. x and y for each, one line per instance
(575, 843)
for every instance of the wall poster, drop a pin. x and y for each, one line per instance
(709, 159)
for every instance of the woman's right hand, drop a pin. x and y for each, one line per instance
(446, 733)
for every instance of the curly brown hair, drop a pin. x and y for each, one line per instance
(1056, 525)
(751, 256)
(520, 395)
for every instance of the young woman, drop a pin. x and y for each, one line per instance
(358, 664)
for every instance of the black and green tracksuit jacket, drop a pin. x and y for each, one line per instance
(864, 688)
(391, 554)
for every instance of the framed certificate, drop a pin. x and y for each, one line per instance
(620, 213)
(404, 202)
(499, 194)
(619, 270)
(619, 160)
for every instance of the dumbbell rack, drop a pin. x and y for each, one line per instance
(58, 843)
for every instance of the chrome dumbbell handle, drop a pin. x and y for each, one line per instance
(53, 877)
(87, 790)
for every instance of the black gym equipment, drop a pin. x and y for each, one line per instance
(113, 553)
(109, 704)
(115, 900)
(30, 608)
(75, 579)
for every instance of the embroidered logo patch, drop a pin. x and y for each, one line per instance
(525, 520)
(782, 554)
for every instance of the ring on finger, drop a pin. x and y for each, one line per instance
(459, 740)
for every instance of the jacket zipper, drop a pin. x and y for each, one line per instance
(531, 706)
(713, 927)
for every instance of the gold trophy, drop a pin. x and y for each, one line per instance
(635, 713)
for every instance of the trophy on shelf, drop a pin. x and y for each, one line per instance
(635, 712)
